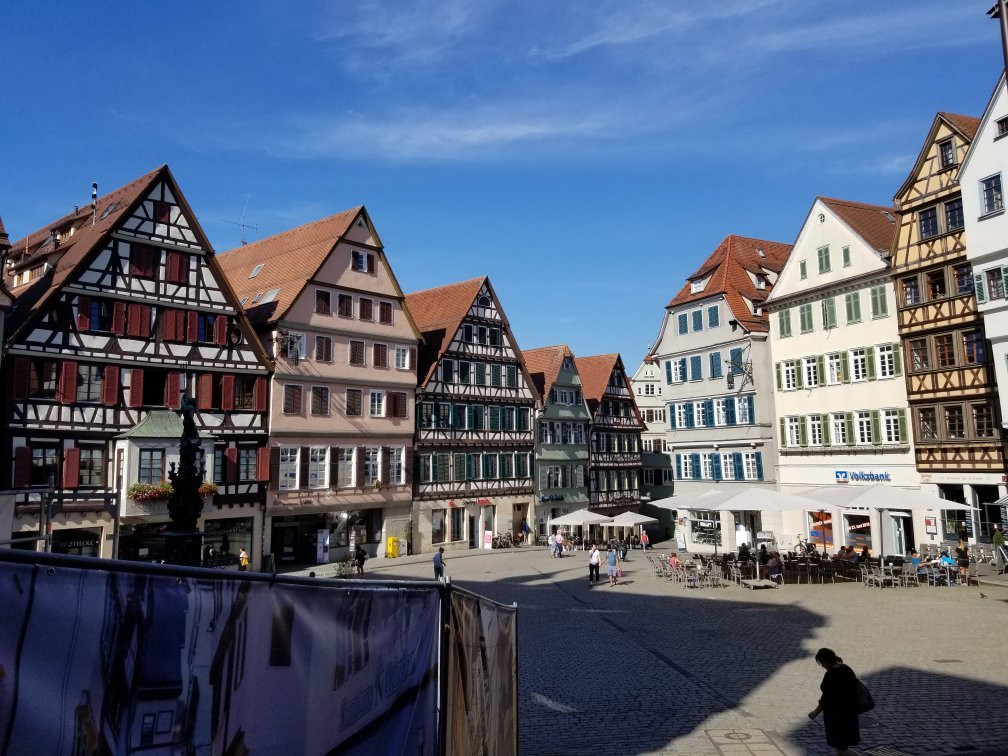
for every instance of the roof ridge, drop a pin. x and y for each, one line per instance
(296, 229)
(445, 286)
(855, 203)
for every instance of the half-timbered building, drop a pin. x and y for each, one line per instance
(615, 465)
(951, 387)
(475, 402)
(120, 309)
(562, 431)
(329, 310)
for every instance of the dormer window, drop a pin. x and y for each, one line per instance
(257, 270)
(697, 286)
(760, 252)
(760, 282)
(946, 153)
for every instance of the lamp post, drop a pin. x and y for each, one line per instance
(1000, 11)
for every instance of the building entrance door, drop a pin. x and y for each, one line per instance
(474, 532)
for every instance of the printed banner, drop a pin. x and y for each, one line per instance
(99, 661)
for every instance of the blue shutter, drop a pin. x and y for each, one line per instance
(730, 410)
(716, 465)
(713, 317)
(689, 414)
(696, 368)
(671, 416)
(698, 320)
(696, 466)
(715, 364)
(759, 466)
(683, 323)
(668, 371)
(678, 466)
(709, 408)
(736, 361)
(739, 467)
(752, 408)
(682, 369)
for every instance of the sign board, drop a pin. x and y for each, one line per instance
(680, 541)
(322, 546)
(764, 535)
(487, 539)
(931, 525)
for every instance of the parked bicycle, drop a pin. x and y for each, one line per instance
(503, 541)
(804, 546)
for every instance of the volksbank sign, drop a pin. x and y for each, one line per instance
(855, 476)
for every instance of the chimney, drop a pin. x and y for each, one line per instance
(94, 202)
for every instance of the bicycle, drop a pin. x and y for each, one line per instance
(803, 546)
(504, 540)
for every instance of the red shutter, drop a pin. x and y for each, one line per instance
(370, 263)
(231, 464)
(227, 392)
(263, 463)
(22, 466)
(132, 320)
(136, 387)
(173, 387)
(412, 359)
(259, 394)
(220, 330)
(71, 468)
(192, 330)
(172, 264)
(145, 318)
(118, 317)
(67, 382)
(21, 367)
(168, 325)
(360, 466)
(274, 471)
(204, 391)
(110, 386)
(298, 400)
(408, 466)
(83, 313)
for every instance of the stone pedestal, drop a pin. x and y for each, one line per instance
(184, 549)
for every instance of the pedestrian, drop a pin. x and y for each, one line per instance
(838, 703)
(612, 564)
(552, 544)
(359, 556)
(439, 564)
(645, 541)
(594, 559)
(243, 559)
(560, 544)
(525, 530)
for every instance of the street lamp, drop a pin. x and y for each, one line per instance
(1000, 11)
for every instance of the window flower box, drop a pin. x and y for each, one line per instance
(149, 491)
(208, 489)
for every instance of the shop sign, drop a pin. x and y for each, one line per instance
(860, 476)
(764, 535)
(483, 502)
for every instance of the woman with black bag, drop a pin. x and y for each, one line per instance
(838, 703)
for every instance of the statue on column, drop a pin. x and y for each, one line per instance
(185, 505)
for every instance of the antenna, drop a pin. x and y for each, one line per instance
(243, 224)
(94, 202)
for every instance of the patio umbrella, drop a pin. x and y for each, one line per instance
(763, 499)
(880, 497)
(630, 519)
(580, 517)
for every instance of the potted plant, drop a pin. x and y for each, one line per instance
(208, 489)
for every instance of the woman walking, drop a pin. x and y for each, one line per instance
(594, 559)
(838, 703)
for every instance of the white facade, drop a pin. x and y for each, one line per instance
(981, 180)
(840, 392)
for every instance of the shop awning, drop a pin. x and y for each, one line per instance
(879, 497)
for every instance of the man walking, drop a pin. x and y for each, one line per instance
(439, 564)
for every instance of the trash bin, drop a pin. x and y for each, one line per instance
(391, 547)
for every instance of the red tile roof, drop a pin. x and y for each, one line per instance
(875, 224)
(544, 365)
(73, 250)
(729, 267)
(595, 372)
(289, 260)
(438, 313)
(966, 125)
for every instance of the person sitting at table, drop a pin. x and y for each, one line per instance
(673, 561)
(864, 552)
(743, 553)
(774, 568)
(764, 555)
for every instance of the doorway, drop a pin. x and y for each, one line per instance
(473, 532)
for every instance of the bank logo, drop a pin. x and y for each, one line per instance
(841, 476)
(844, 476)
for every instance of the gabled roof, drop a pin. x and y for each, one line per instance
(438, 313)
(4, 239)
(876, 224)
(289, 260)
(159, 424)
(728, 268)
(74, 249)
(964, 126)
(544, 365)
(595, 372)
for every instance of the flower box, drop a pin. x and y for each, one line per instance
(149, 491)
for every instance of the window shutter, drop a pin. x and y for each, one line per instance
(1004, 281)
(668, 371)
(360, 466)
(870, 362)
(262, 463)
(897, 358)
(849, 422)
(876, 427)
(670, 409)
(730, 411)
(274, 467)
(678, 466)
(759, 465)
(220, 330)
(826, 429)
(110, 386)
(384, 467)
(132, 320)
(408, 467)
(751, 399)
(303, 457)
(780, 383)
(171, 267)
(682, 369)
(173, 389)
(22, 366)
(820, 369)
(192, 328)
(168, 325)
(136, 387)
(118, 318)
(690, 418)
(709, 409)
(204, 391)
(144, 313)
(696, 466)
(802, 431)
(68, 382)
(799, 373)
(228, 392)
(412, 359)
(370, 263)
(334, 467)
(738, 465)
(71, 468)
(783, 433)
(83, 314)
(231, 464)
(22, 466)
(901, 418)
(696, 368)
(259, 394)
(845, 366)
(716, 465)
(978, 287)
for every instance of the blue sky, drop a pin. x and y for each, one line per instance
(587, 156)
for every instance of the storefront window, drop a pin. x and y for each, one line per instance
(77, 541)
(367, 525)
(458, 524)
(858, 532)
(438, 526)
(705, 527)
(821, 529)
(224, 538)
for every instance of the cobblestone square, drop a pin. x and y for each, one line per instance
(647, 667)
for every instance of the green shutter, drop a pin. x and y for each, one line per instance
(820, 369)
(876, 427)
(901, 415)
(779, 383)
(783, 433)
(460, 466)
(897, 358)
(826, 430)
(870, 362)
(845, 366)
(1004, 281)
(978, 287)
(849, 422)
(803, 431)
(799, 369)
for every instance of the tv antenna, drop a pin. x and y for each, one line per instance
(243, 224)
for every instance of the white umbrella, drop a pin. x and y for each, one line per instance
(880, 497)
(630, 519)
(758, 499)
(687, 501)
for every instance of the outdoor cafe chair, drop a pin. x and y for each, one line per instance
(867, 576)
(909, 576)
